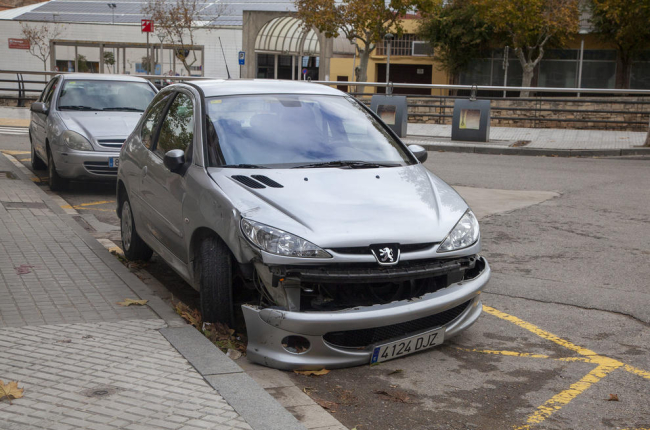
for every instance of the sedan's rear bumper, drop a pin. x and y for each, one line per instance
(457, 306)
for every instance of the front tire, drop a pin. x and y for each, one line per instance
(37, 163)
(133, 246)
(57, 183)
(213, 269)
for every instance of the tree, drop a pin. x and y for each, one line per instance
(529, 25)
(457, 33)
(363, 22)
(82, 64)
(39, 37)
(109, 60)
(178, 20)
(626, 23)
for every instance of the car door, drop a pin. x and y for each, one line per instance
(40, 120)
(162, 190)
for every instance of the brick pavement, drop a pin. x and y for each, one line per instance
(84, 361)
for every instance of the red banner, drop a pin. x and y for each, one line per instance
(146, 26)
(18, 44)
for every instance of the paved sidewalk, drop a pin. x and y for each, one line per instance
(544, 138)
(86, 362)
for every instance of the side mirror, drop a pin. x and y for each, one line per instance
(174, 160)
(39, 107)
(420, 153)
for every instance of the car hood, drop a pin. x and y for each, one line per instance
(334, 207)
(101, 125)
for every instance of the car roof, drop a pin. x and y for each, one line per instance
(101, 77)
(230, 87)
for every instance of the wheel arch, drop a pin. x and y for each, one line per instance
(121, 193)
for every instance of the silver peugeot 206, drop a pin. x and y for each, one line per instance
(297, 203)
(80, 122)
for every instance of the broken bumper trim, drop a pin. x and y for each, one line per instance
(267, 327)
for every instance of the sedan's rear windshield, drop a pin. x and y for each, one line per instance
(292, 130)
(96, 95)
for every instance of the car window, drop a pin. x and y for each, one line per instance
(108, 95)
(45, 90)
(153, 118)
(177, 129)
(290, 130)
(51, 90)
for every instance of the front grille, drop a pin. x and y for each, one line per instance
(100, 168)
(111, 143)
(361, 250)
(370, 336)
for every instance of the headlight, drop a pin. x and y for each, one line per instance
(76, 141)
(276, 241)
(464, 234)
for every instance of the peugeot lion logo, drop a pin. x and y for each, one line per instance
(386, 255)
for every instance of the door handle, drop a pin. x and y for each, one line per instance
(144, 171)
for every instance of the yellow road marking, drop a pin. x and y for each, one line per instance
(13, 152)
(556, 402)
(84, 206)
(605, 366)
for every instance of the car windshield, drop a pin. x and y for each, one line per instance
(292, 130)
(98, 95)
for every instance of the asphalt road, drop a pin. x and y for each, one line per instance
(567, 310)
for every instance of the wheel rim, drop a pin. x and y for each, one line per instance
(127, 226)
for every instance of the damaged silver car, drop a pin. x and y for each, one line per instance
(296, 203)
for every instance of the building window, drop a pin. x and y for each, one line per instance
(401, 46)
(640, 79)
(490, 70)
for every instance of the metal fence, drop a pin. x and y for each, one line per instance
(621, 109)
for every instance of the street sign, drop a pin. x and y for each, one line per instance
(242, 58)
(146, 25)
(18, 43)
(304, 71)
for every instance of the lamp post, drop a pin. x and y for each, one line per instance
(388, 38)
(112, 6)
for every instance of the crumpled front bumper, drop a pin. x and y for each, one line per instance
(268, 327)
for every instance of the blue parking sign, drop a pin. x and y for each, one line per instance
(242, 58)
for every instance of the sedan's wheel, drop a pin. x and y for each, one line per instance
(213, 270)
(37, 163)
(133, 246)
(57, 183)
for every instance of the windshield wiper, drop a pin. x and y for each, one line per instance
(124, 108)
(78, 108)
(349, 164)
(245, 166)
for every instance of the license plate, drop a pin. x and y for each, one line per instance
(114, 162)
(407, 346)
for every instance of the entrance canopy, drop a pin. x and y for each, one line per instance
(287, 35)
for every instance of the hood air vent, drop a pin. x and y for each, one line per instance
(249, 182)
(267, 181)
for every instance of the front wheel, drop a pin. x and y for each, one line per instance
(57, 183)
(132, 244)
(213, 270)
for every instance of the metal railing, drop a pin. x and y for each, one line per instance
(632, 105)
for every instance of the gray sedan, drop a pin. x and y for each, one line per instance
(80, 122)
(296, 202)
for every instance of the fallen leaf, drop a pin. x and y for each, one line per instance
(312, 372)
(23, 269)
(10, 391)
(307, 390)
(129, 302)
(395, 396)
(233, 354)
(396, 371)
(613, 398)
(326, 404)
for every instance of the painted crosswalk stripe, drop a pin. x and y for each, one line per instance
(14, 130)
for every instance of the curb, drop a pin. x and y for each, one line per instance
(539, 152)
(247, 397)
